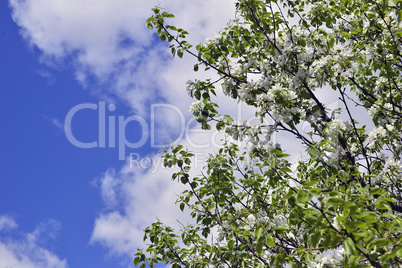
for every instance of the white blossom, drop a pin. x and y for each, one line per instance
(196, 106)
(372, 111)
(388, 106)
(390, 127)
(336, 125)
(379, 132)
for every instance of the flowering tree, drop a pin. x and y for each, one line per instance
(341, 203)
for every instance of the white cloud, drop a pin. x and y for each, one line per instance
(6, 223)
(28, 251)
(55, 122)
(108, 41)
(47, 230)
(47, 75)
(144, 195)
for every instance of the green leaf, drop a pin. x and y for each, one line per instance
(231, 244)
(382, 204)
(259, 247)
(137, 260)
(377, 191)
(314, 238)
(349, 246)
(381, 242)
(258, 232)
(335, 201)
(315, 191)
(281, 227)
(180, 53)
(270, 242)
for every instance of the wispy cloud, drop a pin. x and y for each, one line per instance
(145, 195)
(27, 251)
(7, 222)
(47, 75)
(55, 122)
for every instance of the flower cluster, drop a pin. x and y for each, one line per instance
(328, 258)
(375, 135)
(211, 41)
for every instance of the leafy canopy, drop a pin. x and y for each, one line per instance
(339, 205)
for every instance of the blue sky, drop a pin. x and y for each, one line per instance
(64, 206)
